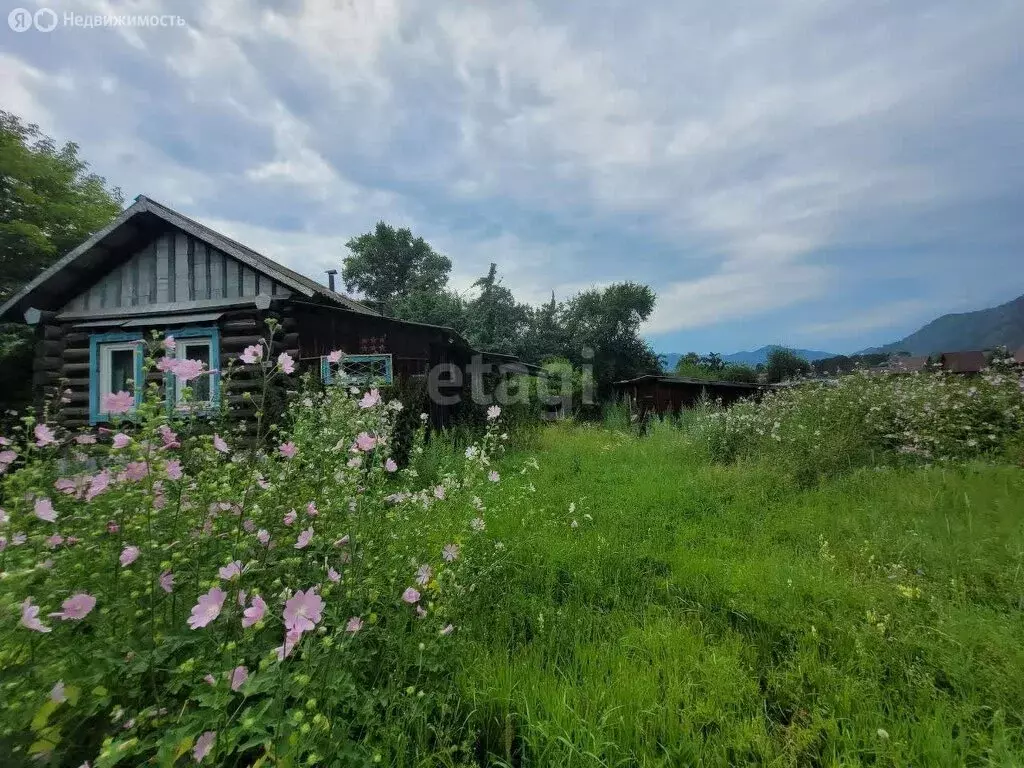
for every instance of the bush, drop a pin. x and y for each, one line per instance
(173, 595)
(821, 428)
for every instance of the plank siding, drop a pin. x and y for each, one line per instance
(174, 268)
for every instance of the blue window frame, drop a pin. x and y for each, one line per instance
(197, 343)
(358, 369)
(115, 365)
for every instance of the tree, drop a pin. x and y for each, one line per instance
(544, 336)
(389, 264)
(713, 362)
(607, 322)
(784, 364)
(496, 322)
(49, 202)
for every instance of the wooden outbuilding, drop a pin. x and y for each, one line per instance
(968, 362)
(669, 394)
(153, 269)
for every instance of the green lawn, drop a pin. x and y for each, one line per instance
(710, 615)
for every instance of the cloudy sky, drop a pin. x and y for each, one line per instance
(819, 174)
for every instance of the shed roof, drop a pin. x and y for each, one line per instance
(902, 363)
(683, 380)
(101, 251)
(964, 362)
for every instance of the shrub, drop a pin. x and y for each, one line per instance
(172, 595)
(820, 428)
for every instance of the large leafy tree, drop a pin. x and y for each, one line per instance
(496, 321)
(607, 323)
(49, 202)
(784, 364)
(389, 265)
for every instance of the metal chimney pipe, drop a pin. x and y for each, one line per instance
(330, 278)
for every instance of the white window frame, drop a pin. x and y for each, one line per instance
(106, 364)
(179, 353)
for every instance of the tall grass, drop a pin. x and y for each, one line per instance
(713, 615)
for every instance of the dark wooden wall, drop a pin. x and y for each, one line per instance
(305, 332)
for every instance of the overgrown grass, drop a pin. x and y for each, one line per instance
(711, 615)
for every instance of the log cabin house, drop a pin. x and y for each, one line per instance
(153, 269)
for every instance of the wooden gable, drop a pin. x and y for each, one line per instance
(174, 269)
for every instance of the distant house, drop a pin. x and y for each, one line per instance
(963, 362)
(904, 364)
(153, 269)
(670, 394)
(1019, 356)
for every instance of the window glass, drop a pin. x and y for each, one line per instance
(197, 350)
(121, 364)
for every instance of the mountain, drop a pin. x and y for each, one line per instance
(983, 329)
(760, 355)
(750, 358)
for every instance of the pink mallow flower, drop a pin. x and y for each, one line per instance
(370, 399)
(411, 596)
(254, 612)
(174, 471)
(231, 571)
(57, 693)
(354, 625)
(203, 745)
(291, 639)
(76, 607)
(290, 517)
(423, 575)
(121, 440)
(335, 356)
(167, 582)
(263, 536)
(288, 450)
(30, 617)
(252, 354)
(169, 438)
(439, 492)
(493, 476)
(170, 344)
(365, 442)
(85, 439)
(311, 509)
(44, 510)
(390, 465)
(286, 363)
(493, 412)
(303, 611)
(220, 444)
(450, 552)
(186, 370)
(304, 538)
(44, 436)
(117, 402)
(98, 483)
(207, 608)
(238, 677)
(333, 575)
(129, 555)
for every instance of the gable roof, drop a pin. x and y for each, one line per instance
(964, 362)
(903, 363)
(64, 278)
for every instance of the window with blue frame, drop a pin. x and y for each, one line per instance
(203, 344)
(115, 365)
(358, 369)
